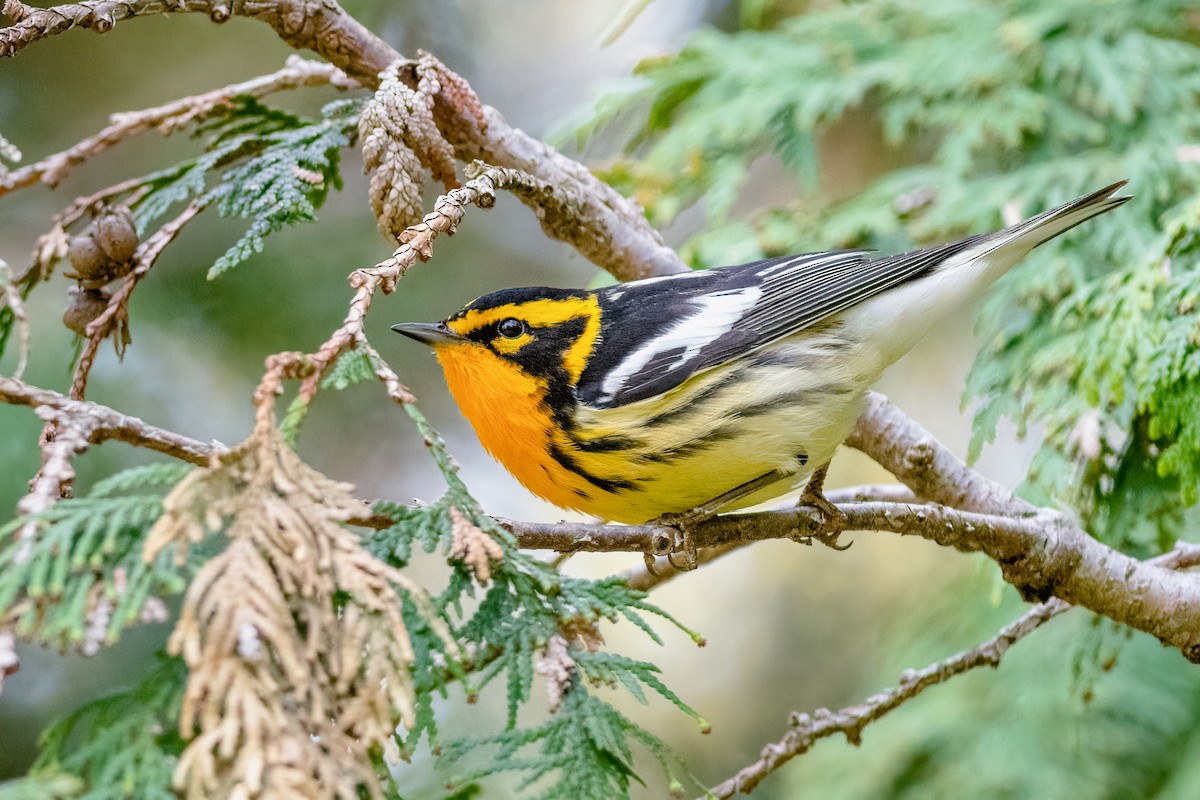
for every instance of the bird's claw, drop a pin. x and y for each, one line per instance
(833, 521)
(683, 543)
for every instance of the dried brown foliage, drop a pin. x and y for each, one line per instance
(473, 546)
(558, 668)
(400, 140)
(297, 649)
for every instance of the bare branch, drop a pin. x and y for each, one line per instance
(805, 730)
(171, 117)
(105, 423)
(610, 230)
(318, 25)
(10, 297)
(416, 244)
(1043, 555)
(964, 530)
(662, 569)
(64, 438)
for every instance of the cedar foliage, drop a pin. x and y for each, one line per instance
(288, 674)
(1018, 104)
(1009, 102)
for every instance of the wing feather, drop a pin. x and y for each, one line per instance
(700, 320)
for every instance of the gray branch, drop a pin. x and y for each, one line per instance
(103, 423)
(805, 730)
(607, 228)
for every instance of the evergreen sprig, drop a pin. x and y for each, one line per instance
(504, 629)
(285, 183)
(86, 552)
(582, 752)
(125, 744)
(264, 165)
(979, 106)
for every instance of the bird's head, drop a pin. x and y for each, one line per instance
(543, 335)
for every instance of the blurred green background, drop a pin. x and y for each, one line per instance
(1078, 710)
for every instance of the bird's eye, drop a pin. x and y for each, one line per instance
(510, 328)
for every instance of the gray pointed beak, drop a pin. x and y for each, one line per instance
(434, 335)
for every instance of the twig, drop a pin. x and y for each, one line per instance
(963, 530)
(416, 244)
(114, 317)
(108, 424)
(662, 570)
(627, 246)
(805, 730)
(71, 427)
(64, 437)
(170, 117)
(319, 26)
(1042, 555)
(16, 306)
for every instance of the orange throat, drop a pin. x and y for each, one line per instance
(507, 408)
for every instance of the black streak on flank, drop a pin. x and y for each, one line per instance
(606, 444)
(721, 433)
(798, 397)
(695, 403)
(612, 486)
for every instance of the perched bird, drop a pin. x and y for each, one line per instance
(672, 398)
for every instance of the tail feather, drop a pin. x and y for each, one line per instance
(1045, 226)
(897, 319)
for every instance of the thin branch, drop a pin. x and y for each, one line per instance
(963, 530)
(610, 229)
(806, 729)
(662, 569)
(1043, 555)
(170, 117)
(72, 425)
(63, 438)
(107, 424)
(113, 319)
(318, 25)
(416, 245)
(11, 298)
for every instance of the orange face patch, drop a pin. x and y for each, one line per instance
(507, 409)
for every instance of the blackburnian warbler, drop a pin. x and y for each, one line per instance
(713, 389)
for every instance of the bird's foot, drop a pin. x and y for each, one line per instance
(833, 519)
(683, 543)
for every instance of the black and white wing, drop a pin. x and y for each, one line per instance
(659, 332)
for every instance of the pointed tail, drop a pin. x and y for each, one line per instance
(1045, 226)
(898, 318)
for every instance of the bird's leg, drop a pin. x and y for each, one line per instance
(833, 520)
(684, 521)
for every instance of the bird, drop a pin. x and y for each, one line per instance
(673, 398)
